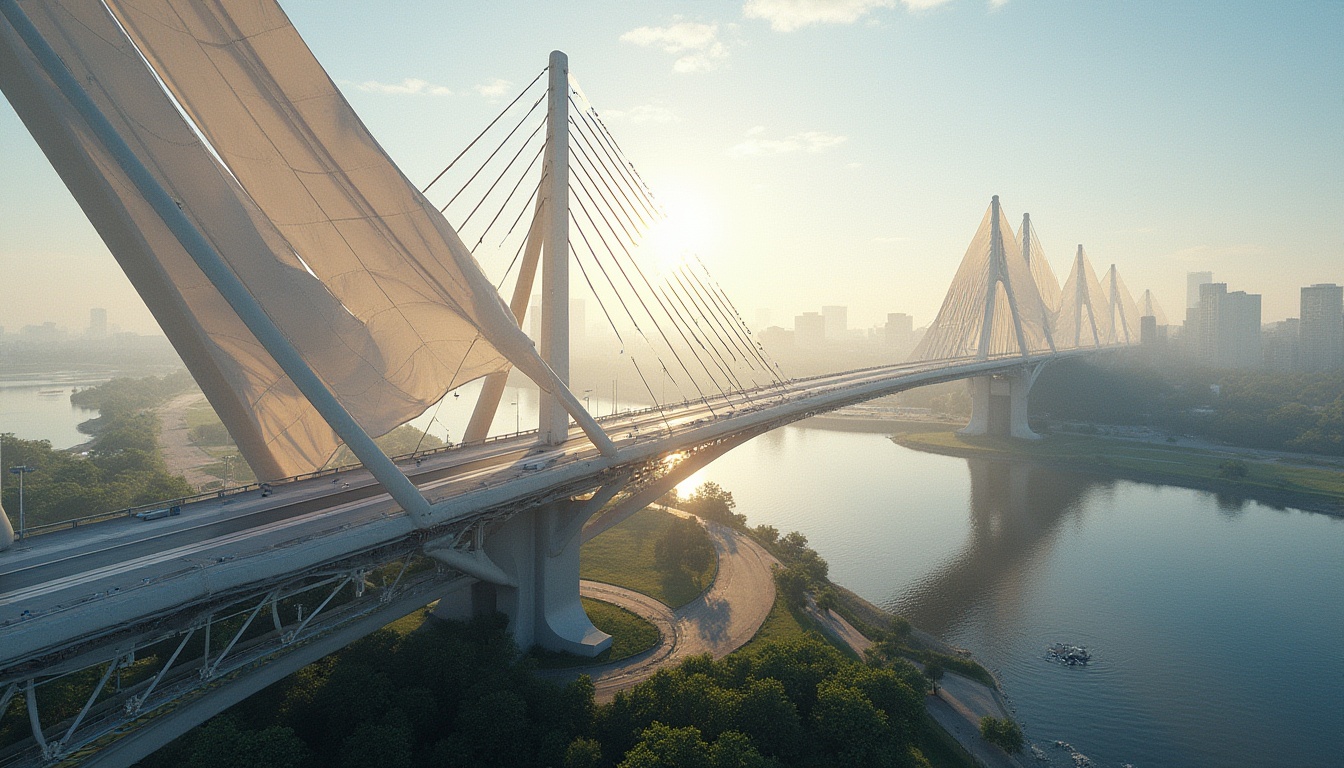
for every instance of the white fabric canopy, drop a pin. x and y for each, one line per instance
(364, 276)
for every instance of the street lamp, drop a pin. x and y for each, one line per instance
(517, 419)
(586, 406)
(21, 470)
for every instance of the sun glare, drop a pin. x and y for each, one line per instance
(687, 231)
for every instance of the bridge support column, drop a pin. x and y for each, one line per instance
(6, 529)
(539, 552)
(999, 404)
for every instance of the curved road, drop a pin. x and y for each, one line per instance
(718, 622)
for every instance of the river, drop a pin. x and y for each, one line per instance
(38, 407)
(1214, 625)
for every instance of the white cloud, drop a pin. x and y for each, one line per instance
(642, 113)
(698, 43)
(411, 85)
(807, 141)
(496, 89)
(788, 15)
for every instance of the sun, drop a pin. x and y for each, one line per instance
(687, 231)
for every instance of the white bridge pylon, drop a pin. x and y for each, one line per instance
(1005, 301)
(993, 307)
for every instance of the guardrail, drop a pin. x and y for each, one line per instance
(223, 493)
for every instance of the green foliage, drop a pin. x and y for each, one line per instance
(120, 397)
(792, 585)
(712, 502)
(624, 555)
(1257, 409)
(797, 702)
(1233, 469)
(444, 694)
(223, 744)
(934, 671)
(212, 433)
(683, 545)
(766, 534)
(1003, 733)
(123, 467)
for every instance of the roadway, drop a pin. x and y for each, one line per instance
(223, 543)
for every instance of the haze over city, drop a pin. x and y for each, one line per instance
(843, 152)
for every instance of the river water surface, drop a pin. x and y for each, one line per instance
(1215, 626)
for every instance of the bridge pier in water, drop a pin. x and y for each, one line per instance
(999, 404)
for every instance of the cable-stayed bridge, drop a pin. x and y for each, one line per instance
(319, 298)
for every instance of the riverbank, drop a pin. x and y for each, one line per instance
(1278, 480)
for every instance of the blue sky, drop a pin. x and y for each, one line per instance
(843, 152)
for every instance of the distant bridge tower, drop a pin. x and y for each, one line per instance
(1078, 323)
(1122, 312)
(994, 309)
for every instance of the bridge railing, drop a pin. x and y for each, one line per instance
(414, 456)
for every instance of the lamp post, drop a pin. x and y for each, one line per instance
(21, 470)
(586, 406)
(517, 418)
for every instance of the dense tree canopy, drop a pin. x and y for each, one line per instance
(1254, 408)
(461, 695)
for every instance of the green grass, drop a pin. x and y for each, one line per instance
(200, 414)
(410, 622)
(1175, 463)
(623, 556)
(630, 635)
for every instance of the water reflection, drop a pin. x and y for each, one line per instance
(1016, 511)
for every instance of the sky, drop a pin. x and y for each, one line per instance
(844, 151)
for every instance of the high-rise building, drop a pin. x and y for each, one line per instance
(1192, 282)
(1227, 327)
(900, 330)
(837, 322)
(98, 323)
(1280, 342)
(809, 330)
(1322, 327)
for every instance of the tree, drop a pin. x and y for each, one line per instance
(735, 750)
(792, 584)
(1003, 733)
(934, 672)
(712, 502)
(660, 746)
(850, 727)
(684, 545)
(583, 753)
(222, 744)
(768, 534)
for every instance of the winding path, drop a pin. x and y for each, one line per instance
(721, 620)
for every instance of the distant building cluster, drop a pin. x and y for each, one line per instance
(1224, 329)
(51, 336)
(829, 329)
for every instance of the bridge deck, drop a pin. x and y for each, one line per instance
(88, 581)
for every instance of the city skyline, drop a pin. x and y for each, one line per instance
(802, 133)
